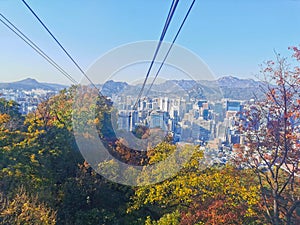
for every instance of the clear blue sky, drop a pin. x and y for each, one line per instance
(232, 36)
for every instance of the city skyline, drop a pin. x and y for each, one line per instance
(233, 40)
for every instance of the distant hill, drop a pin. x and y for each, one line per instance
(241, 89)
(227, 87)
(231, 81)
(29, 84)
(110, 87)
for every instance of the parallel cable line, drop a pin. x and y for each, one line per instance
(168, 20)
(168, 52)
(167, 23)
(60, 45)
(28, 41)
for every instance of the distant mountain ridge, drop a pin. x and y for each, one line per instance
(29, 84)
(224, 87)
(227, 86)
(241, 89)
(230, 81)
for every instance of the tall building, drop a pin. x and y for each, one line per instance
(233, 106)
(201, 102)
(123, 122)
(164, 104)
(158, 119)
(127, 120)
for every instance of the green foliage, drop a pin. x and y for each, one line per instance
(167, 219)
(38, 152)
(26, 210)
(209, 196)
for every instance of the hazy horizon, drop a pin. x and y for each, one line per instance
(232, 37)
(138, 83)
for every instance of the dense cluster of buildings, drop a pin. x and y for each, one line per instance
(214, 125)
(194, 121)
(203, 122)
(27, 99)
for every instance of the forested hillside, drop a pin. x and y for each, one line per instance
(45, 180)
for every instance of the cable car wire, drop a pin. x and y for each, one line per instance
(168, 20)
(168, 52)
(29, 42)
(60, 45)
(167, 23)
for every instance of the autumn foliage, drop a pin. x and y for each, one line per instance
(45, 180)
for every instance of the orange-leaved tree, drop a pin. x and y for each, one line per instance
(271, 129)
